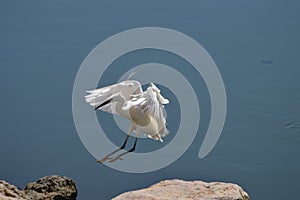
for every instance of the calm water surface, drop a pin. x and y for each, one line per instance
(254, 43)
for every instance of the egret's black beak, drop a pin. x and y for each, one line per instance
(103, 104)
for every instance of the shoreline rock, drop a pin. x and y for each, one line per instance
(179, 189)
(47, 188)
(62, 188)
(10, 192)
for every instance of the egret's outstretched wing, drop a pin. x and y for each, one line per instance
(103, 95)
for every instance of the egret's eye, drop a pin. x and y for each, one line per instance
(130, 84)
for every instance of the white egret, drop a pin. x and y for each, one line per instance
(144, 109)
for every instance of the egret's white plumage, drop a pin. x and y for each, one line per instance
(144, 109)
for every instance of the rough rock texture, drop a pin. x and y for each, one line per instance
(52, 188)
(10, 192)
(47, 188)
(183, 190)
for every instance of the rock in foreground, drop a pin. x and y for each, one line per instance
(10, 192)
(52, 187)
(196, 190)
(47, 188)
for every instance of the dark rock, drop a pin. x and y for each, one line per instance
(51, 188)
(47, 188)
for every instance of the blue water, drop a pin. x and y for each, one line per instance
(43, 43)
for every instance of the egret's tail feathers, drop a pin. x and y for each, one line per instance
(164, 132)
(155, 137)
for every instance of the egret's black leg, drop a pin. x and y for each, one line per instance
(124, 144)
(134, 145)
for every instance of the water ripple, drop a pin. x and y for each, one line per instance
(293, 127)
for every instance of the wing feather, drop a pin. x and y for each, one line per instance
(125, 89)
(149, 102)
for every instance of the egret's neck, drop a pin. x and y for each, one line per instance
(119, 106)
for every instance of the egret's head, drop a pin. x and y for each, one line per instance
(132, 84)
